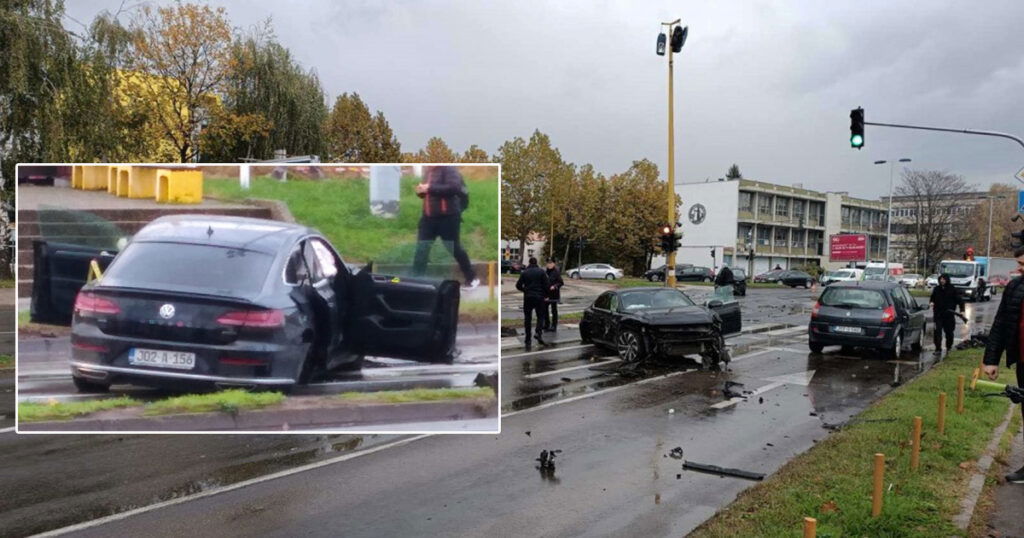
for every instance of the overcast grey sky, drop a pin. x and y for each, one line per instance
(767, 85)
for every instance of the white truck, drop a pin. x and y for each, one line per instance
(876, 271)
(965, 275)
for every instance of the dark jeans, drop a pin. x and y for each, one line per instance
(553, 315)
(447, 228)
(944, 324)
(533, 305)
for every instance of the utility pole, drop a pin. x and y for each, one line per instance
(888, 219)
(678, 39)
(988, 245)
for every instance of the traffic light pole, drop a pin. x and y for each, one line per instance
(670, 262)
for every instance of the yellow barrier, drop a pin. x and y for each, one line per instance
(490, 279)
(76, 176)
(942, 413)
(124, 181)
(810, 527)
(112, 175)
(179, 186)
(93, 177)
(915, 450)
(141, 182)
(94, 271)
(960, 395)
(876, 493)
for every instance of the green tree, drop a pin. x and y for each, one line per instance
(475, 155)
(638, 199)
(353, 135)
(733, 173)
(436, 151)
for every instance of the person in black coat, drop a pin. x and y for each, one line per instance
(1004, 336)
(945, 301)
(725, 277)
(444, 197)
(555, 284)
(533, 282)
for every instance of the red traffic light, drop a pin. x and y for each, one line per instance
(665, 230)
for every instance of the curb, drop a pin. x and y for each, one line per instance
(977, 481)
(282, 419)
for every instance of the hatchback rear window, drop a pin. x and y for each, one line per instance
(201, 268)
(853, 298)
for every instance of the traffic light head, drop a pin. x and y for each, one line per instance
(857, 128)
(661, 44)
(666, 229)
(679, 38)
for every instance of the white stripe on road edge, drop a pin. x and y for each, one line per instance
(553, 372)
(7, 430)
(548, 350)
(734, 401)
(253, 481)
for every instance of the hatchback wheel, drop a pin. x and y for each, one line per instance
(897, 348)
(919, 344)
(807, 284)
(630, 346)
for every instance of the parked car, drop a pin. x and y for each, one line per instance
(932, 281)
(596, 270)
(796, 278)
(230, 301)
(512, 267)
(848, 274)
(874, 314)
(740, 286)
(658, 274)
(640, 323)
(912, 280)
(695, 274)
(769, 276)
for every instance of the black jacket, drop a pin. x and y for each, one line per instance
(725, 277)
(1005, 332)
(446, 192)
(533, 282)
(946, 298)
(554, 281)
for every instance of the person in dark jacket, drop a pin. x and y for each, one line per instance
(1005, 336)
(533, 282)
(555, 284)
(444, 198)
(725, 277)
(945, 301)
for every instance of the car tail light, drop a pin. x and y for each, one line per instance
(261, 319)
(89, 347)
(889, 314)
(242, 361)
(89, 304)
(815, 309)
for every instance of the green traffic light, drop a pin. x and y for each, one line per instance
(856, 141)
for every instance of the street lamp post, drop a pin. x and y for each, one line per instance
(675, 44)
(988, 243)
(888, 219)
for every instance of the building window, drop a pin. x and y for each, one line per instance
(799, 208)
(764, 236)
(743, 233)
(764, 204)
(798, 238)
(781, 237)
(846, 215)
(747, 202)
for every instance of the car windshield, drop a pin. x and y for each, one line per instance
(957, 270)
(852, 298)
(658, 298)
(189, 267)
(842, 274)
(739, 273)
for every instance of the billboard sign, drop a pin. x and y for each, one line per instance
(848, 248)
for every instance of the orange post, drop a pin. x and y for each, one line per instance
(490, 279)
(942, 413)
(876, 497)
(915, 453)
(960, 395)
(810, 527)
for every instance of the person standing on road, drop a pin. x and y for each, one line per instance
(445, 197)
(533, 282)
(724, 277)
(555, 284)
(1005, 336)
(945, 301)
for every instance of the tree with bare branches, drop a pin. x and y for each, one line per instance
(939, 224)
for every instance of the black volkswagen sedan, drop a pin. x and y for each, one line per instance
(796, 278)
(876, 314)
(658, 322)
(230, 301)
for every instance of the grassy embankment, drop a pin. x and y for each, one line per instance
(832, 481)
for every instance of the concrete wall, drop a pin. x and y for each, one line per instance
(719, 200)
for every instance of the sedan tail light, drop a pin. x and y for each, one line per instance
(261, 319)
(889, 314)
(815, 309)
(88, 304)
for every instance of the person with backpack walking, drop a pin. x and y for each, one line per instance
(445, 197)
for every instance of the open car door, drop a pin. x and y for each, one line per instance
(727, 307)
(59, 271)
(405, 318)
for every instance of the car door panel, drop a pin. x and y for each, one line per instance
(405, 318)
(60, 270)
(731, 316)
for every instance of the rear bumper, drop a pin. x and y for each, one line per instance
(102, 372)
(821, 333)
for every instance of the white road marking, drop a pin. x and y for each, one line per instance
(7, 430)
(571, 368)
(798, 378)
(548, 350)
(597, 393)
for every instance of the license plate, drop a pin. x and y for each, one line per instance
(848, 330)
(162, 358)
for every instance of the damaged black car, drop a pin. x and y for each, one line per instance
(642, 323)
(231, 301)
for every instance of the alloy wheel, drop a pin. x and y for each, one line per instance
(629, 346)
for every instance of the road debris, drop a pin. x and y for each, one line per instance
(676, 453)
(978, 339)
(722, 471)
(729, 393)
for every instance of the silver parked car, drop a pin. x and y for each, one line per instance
(596, 270)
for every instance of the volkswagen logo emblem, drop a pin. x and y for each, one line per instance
(697, 213)
(167, 311)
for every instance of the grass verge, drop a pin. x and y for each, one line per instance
(339, 208)
(832, 481)
(227, 401)
(572, 317)
(478, 311)
(24, 318)
(38, 412)
(986, 501)
(416, 395)
(6, 362)
(7, 283)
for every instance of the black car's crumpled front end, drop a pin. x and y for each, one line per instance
(677, 332)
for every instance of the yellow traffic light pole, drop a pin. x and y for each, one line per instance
(670, 262)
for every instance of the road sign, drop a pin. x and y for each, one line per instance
(1020, 201)
(1020, 175)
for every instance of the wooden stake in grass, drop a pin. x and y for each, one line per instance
(876, 496)
(960, 395)
(810, 527)
(915, 452)
(942, 413)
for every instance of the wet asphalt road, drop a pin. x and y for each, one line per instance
(613, 476)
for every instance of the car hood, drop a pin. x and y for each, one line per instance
(679, 315)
